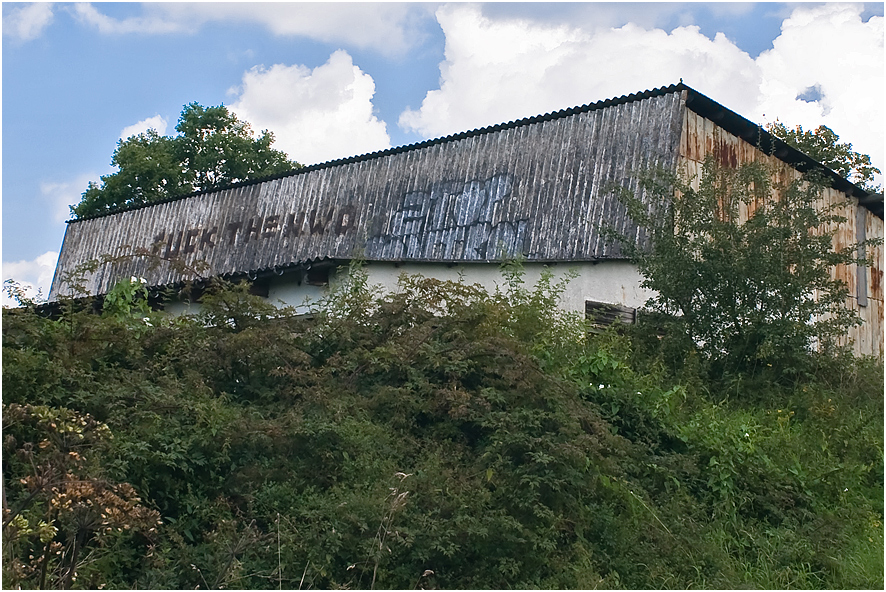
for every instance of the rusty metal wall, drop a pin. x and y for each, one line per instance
(537, 188)
(702, 137)
(868, 338)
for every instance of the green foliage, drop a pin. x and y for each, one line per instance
(748, 291)
(18, 293)
(127, 298)
(823, 145)
(63, 506)
(213, 149)
(432, 437)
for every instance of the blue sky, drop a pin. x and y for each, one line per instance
(333, 80)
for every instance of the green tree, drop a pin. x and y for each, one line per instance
(213, 148)
(823, 145)
(748, 291)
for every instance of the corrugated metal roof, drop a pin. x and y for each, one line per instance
(458, 136)
(535, 187)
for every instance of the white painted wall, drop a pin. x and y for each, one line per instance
(181, 307)
(287, 291)
(613, 282)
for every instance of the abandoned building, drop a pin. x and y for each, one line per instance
(536, 189)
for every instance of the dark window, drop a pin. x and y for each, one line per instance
(260, 287)
(317, 276)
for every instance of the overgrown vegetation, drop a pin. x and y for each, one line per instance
(434, 437)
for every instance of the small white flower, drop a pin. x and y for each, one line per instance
(601, 386)
(142, 280)
(845, 490)
(746, 435)
(133, 279)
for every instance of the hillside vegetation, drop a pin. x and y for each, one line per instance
(433, 437)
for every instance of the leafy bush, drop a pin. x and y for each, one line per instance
(743, 265)
(434, 437)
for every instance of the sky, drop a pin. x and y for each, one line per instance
(333, 80)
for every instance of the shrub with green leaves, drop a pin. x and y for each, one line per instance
(436, 436)
(749, 291)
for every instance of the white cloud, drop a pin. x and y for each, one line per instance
(592, 17)
(66, 193)
(88, 15)
(389, 28)
(847, 68)
(316, 115)
(500, 70)
(33, 276)
(29, 21)
(497, 69)
(156, 123)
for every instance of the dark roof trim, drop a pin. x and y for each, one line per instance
(873, 202)
(697, 102)
(52, 307)
(757, 136)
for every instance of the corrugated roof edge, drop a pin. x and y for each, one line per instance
(697, 102)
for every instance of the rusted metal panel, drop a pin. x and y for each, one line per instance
(872, 314)
(874, 231)
(702, 138)
(538, 188)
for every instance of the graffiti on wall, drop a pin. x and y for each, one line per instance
(452, 220)
(237, 233)
(449, 220)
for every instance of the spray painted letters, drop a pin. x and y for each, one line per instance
(176, 243)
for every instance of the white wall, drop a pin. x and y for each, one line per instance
(181, 307)
(614, 282)
(287, 291)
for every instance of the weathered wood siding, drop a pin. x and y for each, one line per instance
(702, 137)
(537, 188)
